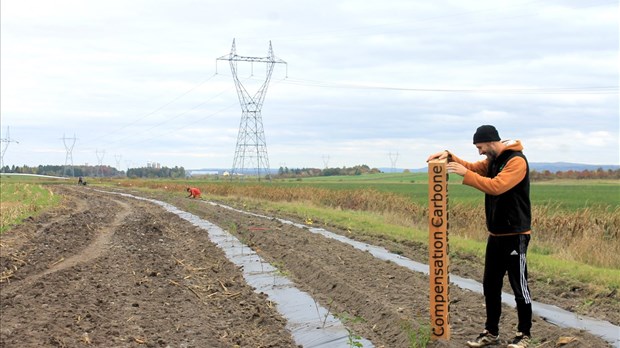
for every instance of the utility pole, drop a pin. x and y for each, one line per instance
(393, 159)
(69, 155)
(251, 148)
(5, 145)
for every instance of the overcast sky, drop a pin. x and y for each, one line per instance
(366, 82)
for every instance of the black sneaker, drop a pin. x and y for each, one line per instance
(484, 339)
(520, 341)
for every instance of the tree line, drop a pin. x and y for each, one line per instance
(97, 171)
(65, 171)
(150, 172)
(575, 174)
(285, 172)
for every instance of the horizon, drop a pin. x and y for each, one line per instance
(554, 166)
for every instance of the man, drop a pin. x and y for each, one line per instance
(194, 192)
(504, 178)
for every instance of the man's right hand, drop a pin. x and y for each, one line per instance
(438, 156)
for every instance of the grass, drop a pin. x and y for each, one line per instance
(23, 197)
(569, 194)
(419, 337)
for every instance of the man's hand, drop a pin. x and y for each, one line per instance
(456, 168)
(439, 156)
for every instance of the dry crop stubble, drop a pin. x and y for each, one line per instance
(588, 235)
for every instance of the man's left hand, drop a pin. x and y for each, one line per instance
(456, 168)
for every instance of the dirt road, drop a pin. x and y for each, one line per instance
(108, 271)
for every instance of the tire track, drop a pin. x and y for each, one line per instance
(94, 250)
(97, 247)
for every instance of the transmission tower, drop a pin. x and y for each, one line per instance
(118, 159)
(69, 156)
(251, 148)
(393, 159)
(100, 155)
(326, 161)
(5, 145)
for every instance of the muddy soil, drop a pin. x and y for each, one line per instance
(109, 271)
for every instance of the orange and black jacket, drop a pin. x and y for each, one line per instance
(506, 184)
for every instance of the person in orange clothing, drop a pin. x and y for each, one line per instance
(504, 178)
(194, 192)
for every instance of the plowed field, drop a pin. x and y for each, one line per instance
(105, 270)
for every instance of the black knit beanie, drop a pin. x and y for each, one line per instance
(485, 134)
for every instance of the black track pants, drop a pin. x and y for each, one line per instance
(507, 254)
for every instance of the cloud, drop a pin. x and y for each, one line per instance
(363, 79)
(568, 145)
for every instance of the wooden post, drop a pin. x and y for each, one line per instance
(438, 249)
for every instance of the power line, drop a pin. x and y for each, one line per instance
(157, 109)
(541, 90)
(173, 130)
(326, 84)
(168, 120)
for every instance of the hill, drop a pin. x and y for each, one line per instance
(565, 166)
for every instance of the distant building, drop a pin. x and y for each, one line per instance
(203, 172)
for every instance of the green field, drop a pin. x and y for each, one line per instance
(565, 194)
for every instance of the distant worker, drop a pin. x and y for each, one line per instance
(193, 192)
(80, 181)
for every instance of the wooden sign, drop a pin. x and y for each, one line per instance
(438, 249)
